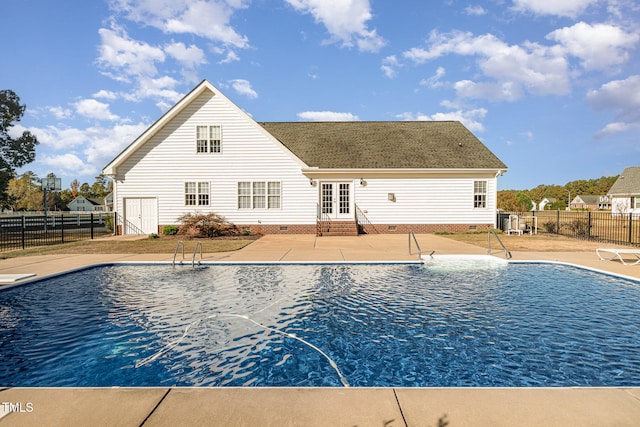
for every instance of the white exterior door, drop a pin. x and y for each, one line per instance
(141, 216)
(336, 200)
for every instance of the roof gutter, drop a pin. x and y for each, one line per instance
(399, 172)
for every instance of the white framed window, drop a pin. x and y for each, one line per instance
(209, 139)
(259, 195)
(273, 195)
(635, 202)
(479, 194)
(244, 195)
(196, 193)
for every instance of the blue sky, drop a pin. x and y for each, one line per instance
(551, 87)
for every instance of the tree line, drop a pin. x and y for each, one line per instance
(24, 193)
(523, 200)
(14, 152)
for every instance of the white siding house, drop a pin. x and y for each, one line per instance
(625, 193)
(83, 204)
(206, 155)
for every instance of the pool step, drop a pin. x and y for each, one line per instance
(338, 228)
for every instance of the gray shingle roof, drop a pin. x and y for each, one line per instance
(590, 199)
(628, 183)
(392, 145)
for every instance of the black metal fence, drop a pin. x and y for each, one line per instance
(23, 231)
(600, 226)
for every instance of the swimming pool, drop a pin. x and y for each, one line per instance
(445, 323)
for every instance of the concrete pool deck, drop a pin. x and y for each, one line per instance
(317, 406)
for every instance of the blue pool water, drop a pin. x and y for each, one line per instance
(442, 324)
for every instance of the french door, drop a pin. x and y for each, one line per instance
(335, 200)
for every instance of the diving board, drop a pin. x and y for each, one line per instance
(618, 253)
(12, 278)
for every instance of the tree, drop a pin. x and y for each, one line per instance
(85, 190)
(101, 187)
(24, 193)
(75, 188)
(14, 152)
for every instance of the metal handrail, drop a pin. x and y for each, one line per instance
(362, 221)
(193, 259)
(180, 242)
(507, 254)
(412, 234)
(128, 227)
(321, 218)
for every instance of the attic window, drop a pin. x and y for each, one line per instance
(208, 139)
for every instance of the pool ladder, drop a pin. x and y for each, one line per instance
(412, 236)
(193, 258)
(493, 233)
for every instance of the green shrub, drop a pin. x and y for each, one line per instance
(108, 223)
(206, 225)
(169, 230)
(153, 236)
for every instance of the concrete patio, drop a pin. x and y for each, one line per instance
(317, 406)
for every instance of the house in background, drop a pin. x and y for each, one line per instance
(545, 204)
(591, 203)
(207, 155)
(625, 193)
(90, 204)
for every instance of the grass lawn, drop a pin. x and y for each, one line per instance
(131, 246)
(542, 242)
(167, 244)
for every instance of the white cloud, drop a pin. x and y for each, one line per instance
(621, 96)
(243, 87)
(568, 8)
(327, 116)
(134, 62)
(68, 164)
(470, 118)
(94, 110)
(56, 138)
(434, 81)
(94, 146)
(105, 143)
(389, 65)
(503, 91)
(231, 57)
(539, 69)
(125, 55)
(599, 46)
(345, 20)
(616, 127)
(528, 134)
(60, 112)
(204, 18)
(105, 94)
(189, 57)
(475, 10)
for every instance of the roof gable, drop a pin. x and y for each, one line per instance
(166, 118)
(385, 145)
(628, 183)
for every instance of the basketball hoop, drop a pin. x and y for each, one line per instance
(51, 184)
